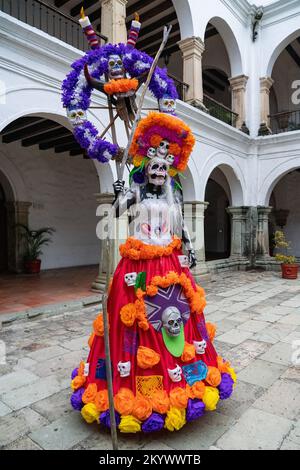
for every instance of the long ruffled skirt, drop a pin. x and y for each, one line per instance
(160, 380)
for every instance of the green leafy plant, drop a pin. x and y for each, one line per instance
(35, 240)
(281, 243)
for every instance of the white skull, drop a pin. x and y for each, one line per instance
(167, 105)
(184, 261)
(130, 279)
(157, 171)
(163, 148)
(200, 346)
(151, 152)
(115, 67)
(170, 159)
(175, 374)
(86, 369)
(76, 116)
(124, 368)
(172, 321)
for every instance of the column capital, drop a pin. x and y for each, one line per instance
(121, 2)
(192, 45)
(238, 211)
(266, 83)
(264, 209)
(239, 82)
(105, 198)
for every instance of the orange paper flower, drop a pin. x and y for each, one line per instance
(78, 382)
(101, 400)
(198, 390)
(98, 325)
(91, 339)
(122, 85)
(142, 408)
(223, 366)
(128, 314)
(211, 330)
(124, 401)
(81, 368)
(179, 397)
(213, 377)
(136, 249)
(147, 358)
(90, 394)
(189, 352)
(160, 401)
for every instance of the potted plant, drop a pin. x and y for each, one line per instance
(34, 241)
(289, 268)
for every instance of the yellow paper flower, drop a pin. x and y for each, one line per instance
(90, 413)
(231, 371)
(78, 382)
(210, 398)
(175, 419)
(129, 424)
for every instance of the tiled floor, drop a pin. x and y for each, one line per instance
(258, 330)
(20, 292)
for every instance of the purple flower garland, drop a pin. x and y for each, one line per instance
(76, 92)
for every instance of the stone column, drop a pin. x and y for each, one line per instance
(17, 213)
(192, 49)
(194, 219)
(239, 242)
(104, 201)
(113, 20)
(265, 86)
(238, 93)
(262, 250)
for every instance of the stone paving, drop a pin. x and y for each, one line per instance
(258, 320)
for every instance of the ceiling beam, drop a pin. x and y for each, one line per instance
(219, 75)
(66, 147)
(294, 55)
(60, 3)
(160, 8)
(69, 139)
(212, 82)
(210, 32)
(137, 6)
(44, 125)
(77, 151)
(155, 37)
(208, 88)
(46, 137)
(96, 15)
(158, 24)
(20, 124)
(75, 11)
(171, 47)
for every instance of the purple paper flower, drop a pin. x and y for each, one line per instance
(195, 409)
(74, 373)
(76, 399)
(226, 386)
(105, 418)
(155, 422)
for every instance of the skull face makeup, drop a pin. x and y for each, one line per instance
(170, 159)
(163, 148)
(175, 374)
(151, 152)
(157, 171)
(115, 67)
(200, 346)
(172, 321)
(130, 279)
(124, 368)
(76, 116)
(167, 105)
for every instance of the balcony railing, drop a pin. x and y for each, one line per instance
(220, 111)
(181, 86)
(48, 19)
(285, 121)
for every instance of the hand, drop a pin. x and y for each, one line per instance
(192, 258)
(118, 187)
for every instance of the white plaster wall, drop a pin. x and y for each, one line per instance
(62, 192)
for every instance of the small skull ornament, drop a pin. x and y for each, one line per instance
(170, 159)
(157, 171)
(172, 321)
(200, 346)
(163, 148)
(76, 116)
(124, 368)
(167, 105)
(115, 67)
(130, 279)
(175, 374)
(151, 152)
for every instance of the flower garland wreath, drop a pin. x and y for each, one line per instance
(76, 92)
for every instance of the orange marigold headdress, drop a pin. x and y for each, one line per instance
(152, 130)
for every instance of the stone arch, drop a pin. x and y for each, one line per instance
(233, 174)
(272, 178)
(185, 17)
(276, 51)
(231, 44)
